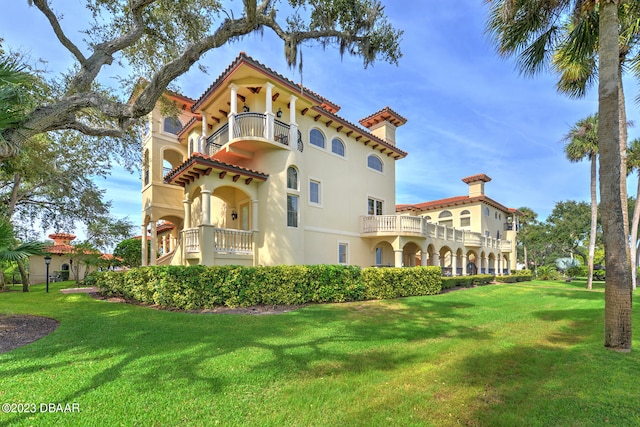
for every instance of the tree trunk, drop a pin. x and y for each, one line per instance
(524, 248)
(634, 238)
(23, 276)
(617, 323)
(594, 221)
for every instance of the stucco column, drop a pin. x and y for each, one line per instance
(205, 130)
(206, 206)
(143, 244)
(454, 264)
(423, 257)
(269, 97)
(293, 126)
(154, 244)
(436, 259)
(397, 257)
(186, 203)
(499, 265)
(464, 265)
(269, 128)
(254, 215)
(233, 102)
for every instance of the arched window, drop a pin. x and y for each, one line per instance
(465, 218)
(172, 125)
(445, 218)
(374, 163)
(316, 138)
(337, 147)
(292, 178)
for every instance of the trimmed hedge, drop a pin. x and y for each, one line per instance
(195, 287)
(467, 281)
(516, 276)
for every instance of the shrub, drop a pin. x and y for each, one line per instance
(206, 287)
(545, 272)
(384, 283)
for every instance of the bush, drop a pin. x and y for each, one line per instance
(198, 286)
(516, 276)
(467, 281)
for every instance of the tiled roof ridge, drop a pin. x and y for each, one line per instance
(365, 131)
(242, 56)
(195, 156)
(383, 110)
(453, 201)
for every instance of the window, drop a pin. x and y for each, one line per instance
(374, 206)
(465, 218)
(145, 166)
(486, 211)
(316, 138)
(378, 256)
(343, 253)
(172, 125)
(292, 178)
(314, 192)
(292, 210)
(374, 163)
(337, 147)
(445, 218)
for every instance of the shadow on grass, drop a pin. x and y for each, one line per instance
(567, 378)
(130, 349)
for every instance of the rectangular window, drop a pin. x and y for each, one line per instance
(465, 222)
(343, 253)
(314, 192)
(374, 207)
(378, 256)
(292, 210)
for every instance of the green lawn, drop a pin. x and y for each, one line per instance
(502, 355)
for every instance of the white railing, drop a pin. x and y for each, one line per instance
(191, 240)
(233, 241)
(403, 224)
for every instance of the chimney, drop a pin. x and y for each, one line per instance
(476, 184)
(383, 124)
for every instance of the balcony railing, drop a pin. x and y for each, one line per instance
(217, 140)
(192, 240)
(414, 225)
(249, 125)
(233, 241)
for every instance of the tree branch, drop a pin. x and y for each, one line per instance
(57, 29)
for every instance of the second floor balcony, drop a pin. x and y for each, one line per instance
(403, 225)
(246, 133)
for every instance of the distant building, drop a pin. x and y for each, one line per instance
(260, 170)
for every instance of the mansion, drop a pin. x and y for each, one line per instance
(260, 170)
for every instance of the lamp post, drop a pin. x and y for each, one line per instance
(47, 261)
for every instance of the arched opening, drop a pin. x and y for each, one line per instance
(446, 259)
(472, 263)
(383, 255)
(409, 255)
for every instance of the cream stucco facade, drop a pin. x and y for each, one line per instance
(261, 171)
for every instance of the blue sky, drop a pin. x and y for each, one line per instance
(469, 111)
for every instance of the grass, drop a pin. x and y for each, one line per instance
(527, 354)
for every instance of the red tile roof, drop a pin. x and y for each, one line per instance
(385, 114)
(453, 201)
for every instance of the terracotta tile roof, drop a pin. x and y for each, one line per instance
(385, 114)
(243, 58)
(452, 201)
(209, 163)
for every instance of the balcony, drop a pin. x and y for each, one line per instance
(402, 225)
(246, 133)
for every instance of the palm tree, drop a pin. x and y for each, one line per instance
(532, 30)
(10, 251)
(633, 163)
(528, 218)
(581, 143)
(14, 81)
